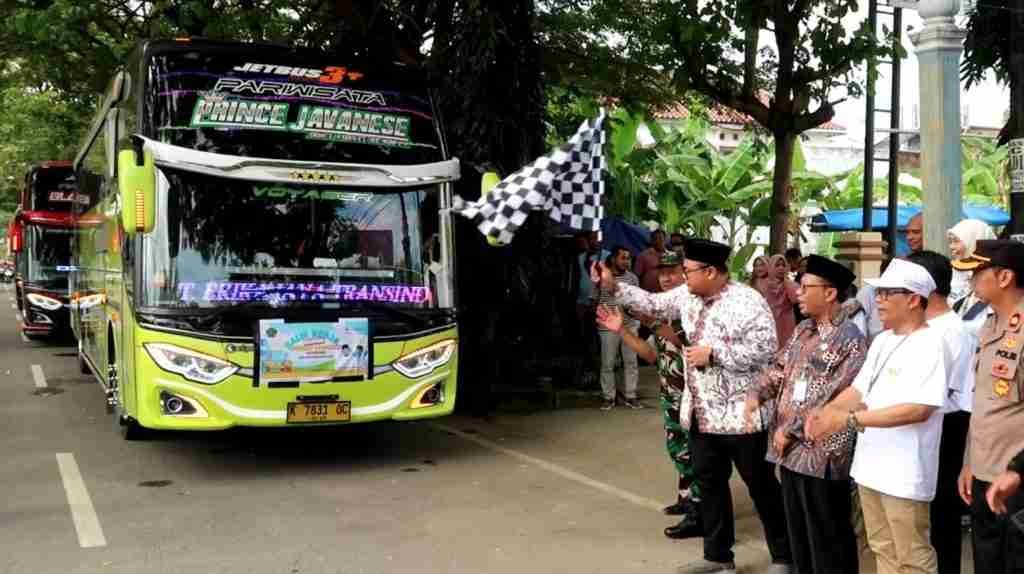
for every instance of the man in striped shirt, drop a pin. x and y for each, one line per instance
(612, 345)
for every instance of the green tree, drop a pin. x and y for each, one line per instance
(985, 177)
(35, 125)
(693, 187)
(989, 48)
(714, 48)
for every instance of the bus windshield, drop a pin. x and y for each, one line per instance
(49, 255)
(226, 241)
(258, 101)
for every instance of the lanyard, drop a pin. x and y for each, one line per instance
(877, 372)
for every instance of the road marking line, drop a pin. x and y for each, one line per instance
(574, 476)
(557, 469)
(87, 524)
(38, 377)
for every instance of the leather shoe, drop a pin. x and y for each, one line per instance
(681, 507)
(688, 527)
(678, 509)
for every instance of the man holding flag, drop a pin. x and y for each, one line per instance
(732, 336)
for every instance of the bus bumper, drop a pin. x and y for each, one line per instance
(240, 400)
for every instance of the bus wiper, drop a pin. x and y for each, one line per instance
(399, 313)
(368, 306)
(211, 316)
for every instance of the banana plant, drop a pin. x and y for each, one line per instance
(985, 178)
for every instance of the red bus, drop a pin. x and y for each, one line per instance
(41, 239)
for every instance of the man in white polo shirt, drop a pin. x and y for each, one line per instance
(896, 404)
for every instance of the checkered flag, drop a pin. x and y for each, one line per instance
(567, 183)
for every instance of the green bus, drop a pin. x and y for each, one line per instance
(264, 240)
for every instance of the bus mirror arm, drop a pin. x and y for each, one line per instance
(138, 146)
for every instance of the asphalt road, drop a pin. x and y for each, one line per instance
(572, 490)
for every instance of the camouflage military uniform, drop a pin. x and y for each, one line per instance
(671, 371)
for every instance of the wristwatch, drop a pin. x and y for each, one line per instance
(853, 424)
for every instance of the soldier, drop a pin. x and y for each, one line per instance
(997, 419)
(667, 354)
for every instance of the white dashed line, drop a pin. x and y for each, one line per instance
(87, 523)
(38, 377)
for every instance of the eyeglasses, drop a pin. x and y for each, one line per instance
(695, 269)
(884, 293)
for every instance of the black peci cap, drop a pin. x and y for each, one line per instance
(707, 252)
(994, 253)
(832, 271)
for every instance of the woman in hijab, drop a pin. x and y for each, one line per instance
(771, 280)
(963, 238)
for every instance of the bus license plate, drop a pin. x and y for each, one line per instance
(324, 412)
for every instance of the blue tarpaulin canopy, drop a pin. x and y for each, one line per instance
(853, 219)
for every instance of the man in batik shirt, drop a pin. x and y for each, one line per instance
(732, 336)
(821, 359)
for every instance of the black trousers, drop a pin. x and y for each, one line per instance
(948, 507)
(998, 543)
(713, 459)
(818, 514)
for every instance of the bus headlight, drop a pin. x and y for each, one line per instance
(48, 303)
(424, 361)
(190, 364)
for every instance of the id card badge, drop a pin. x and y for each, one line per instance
(800, 390)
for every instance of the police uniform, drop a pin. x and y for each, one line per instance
(997, 419)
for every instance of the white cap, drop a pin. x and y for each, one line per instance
(902, 274)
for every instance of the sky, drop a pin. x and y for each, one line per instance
(985, 104)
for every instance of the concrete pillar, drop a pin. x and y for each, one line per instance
(939, 46)
(863, 252)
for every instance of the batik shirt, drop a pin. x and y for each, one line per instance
(810, 371)
(738, 326)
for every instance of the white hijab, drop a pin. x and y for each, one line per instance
(969, 231)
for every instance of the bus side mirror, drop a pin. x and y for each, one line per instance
(488, 181)
(136, 182)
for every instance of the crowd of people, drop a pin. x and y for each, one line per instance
(891, 412)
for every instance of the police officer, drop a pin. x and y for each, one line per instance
(997, 419)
